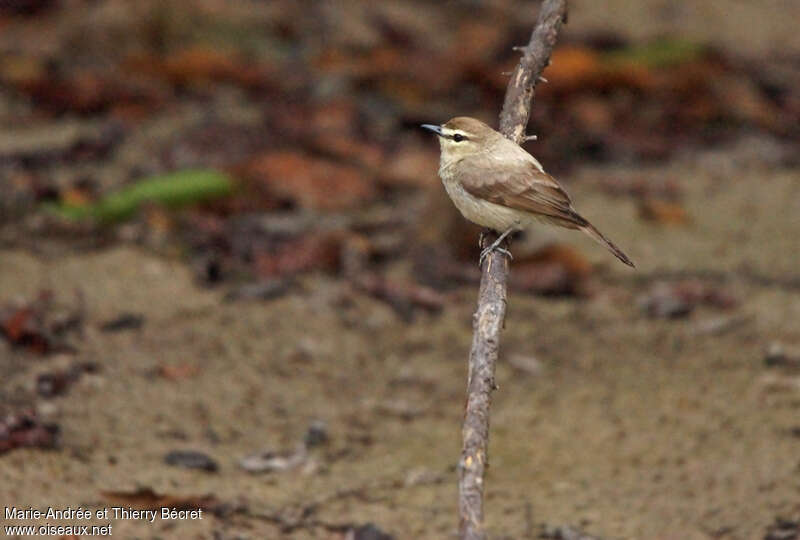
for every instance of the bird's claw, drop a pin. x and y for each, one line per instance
(494, 247)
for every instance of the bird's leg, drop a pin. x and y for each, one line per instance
(495, 246)
(481, 238)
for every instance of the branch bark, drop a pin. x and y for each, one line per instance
(490, 314)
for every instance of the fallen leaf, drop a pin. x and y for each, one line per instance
(478, 41)
(43, 325)
(197, 65)
(17, 70)
(147, 499)
(304, 181)
(593, 114)
(88, 93)
(14, 325)
(348, 148)
(658, 53)
(663, 212)
(26, 430)
(402, 297)
(555, 269)
(176, 372)
(313, 251)
(570, 67)
(746, 103)
(174, 189)
(75, 196)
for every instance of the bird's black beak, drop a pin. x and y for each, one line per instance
(431, 127)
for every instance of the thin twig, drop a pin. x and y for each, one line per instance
(489, 317)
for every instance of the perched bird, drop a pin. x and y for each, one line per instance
(495, 183)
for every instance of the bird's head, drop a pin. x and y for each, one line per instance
(463, 136)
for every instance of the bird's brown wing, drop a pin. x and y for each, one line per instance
(522, 186)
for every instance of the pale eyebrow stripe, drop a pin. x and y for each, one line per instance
(450, 133)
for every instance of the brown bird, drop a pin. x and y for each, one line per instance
(495, 183)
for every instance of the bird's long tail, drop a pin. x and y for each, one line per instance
(598, 236)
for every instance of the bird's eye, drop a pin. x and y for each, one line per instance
(458, 137)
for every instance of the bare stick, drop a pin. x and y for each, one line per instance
(491, 312)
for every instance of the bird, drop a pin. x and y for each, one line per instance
(497, 184)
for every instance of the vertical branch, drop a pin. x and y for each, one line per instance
(535, 57)
(491, 312)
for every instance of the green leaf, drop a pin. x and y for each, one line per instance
(657, 54)
(172, 190)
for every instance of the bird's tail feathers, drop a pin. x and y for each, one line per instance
(598, 237)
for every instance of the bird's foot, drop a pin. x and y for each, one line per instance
(495, 246)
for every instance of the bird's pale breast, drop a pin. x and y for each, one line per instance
(482, 212)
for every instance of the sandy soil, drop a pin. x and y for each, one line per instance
(624, 425)
(629, 426)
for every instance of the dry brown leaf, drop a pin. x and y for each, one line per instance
(89, 92)
(305, 181)
(571, 67)
(348, 148)
(20, 70)
(41, 325)
(26, 429)
(478, 41)
(314, 251)
(75, 196)
(147, 499)
(594, 114)
(176, 372)
(198, 65)
(403, 297)
(555, 269)
(663, 212)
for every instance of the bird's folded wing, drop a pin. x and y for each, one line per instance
(522, 186)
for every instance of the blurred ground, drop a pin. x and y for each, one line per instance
(656, 403)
